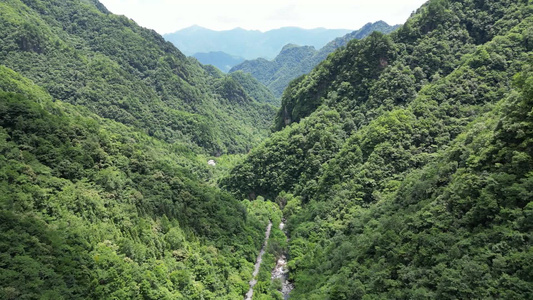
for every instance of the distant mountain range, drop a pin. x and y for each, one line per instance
(294, 60)
(249, 44)
(219, 59)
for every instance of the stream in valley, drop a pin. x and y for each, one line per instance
(281, 271)
(258, 263)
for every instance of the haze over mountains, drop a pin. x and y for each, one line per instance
(287, 65)
(219, 59)
(249, 44)
(294, 60)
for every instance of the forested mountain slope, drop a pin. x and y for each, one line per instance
(82, 54)
(255, 89)
(294, 60)
(379, 26)
(105, 191)
(404, 162)
(93, 209)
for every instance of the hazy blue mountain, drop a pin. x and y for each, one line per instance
(219, 59)
(249, 44)
(294, 60)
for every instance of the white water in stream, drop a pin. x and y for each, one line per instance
(258, 263)
(281, 271)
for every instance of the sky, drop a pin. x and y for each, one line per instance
(166, 16)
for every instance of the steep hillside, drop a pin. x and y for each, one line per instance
(290, 63)
(82, 54)
(249, 44)
(93, 209)
(457, 228)
(219, 59)
(254, 88)
(294, 60)
(105, 133)
(404, 162)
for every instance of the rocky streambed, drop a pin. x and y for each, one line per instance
(281, 271)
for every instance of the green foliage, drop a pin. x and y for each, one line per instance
(403, 163)
(84, 55)
(288, 156)
(266, 288)
(255, 89)
(90, 208)
(420, 186)
(352, 69)
(430, 45)
(361, 87)
(455, 228)
(294, 61)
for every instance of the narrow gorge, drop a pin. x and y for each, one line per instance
(258, 262)
(281, 271)
(271, 273)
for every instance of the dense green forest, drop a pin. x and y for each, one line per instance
(90, 208)
(294, 60)
(82, 54)
(404, 162)
(105, 133)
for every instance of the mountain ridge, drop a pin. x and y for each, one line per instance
(249, 44)
(223, 61)
(286, 66)
(106, 131)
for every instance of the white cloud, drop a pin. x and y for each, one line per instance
(170, 15)
(288, 13)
